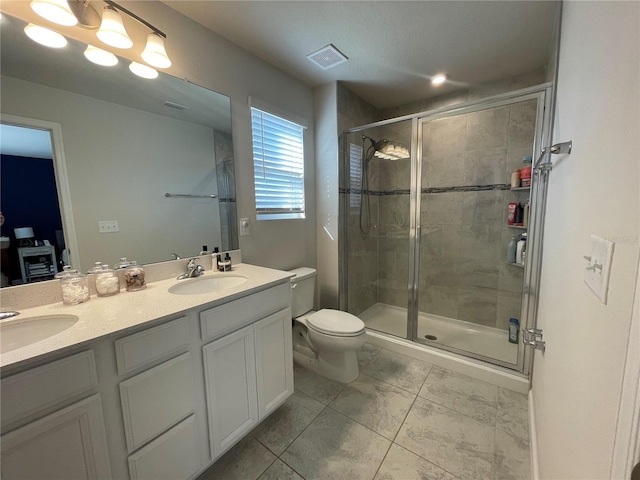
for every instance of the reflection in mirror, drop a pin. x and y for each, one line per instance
(124, 143)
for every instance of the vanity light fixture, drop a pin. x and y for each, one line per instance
(154, 53)
(100, 56)
(56, 11)
(112, 31)
(110, 25)
(438, 79)
(143, 71)
(44, 36)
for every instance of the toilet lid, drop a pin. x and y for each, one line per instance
(335, 322)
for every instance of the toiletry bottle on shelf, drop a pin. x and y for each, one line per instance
(520, 248)
(515, 178)
(205, 251)
(519, 214)
(525, 217)
(525, 172)
(514, 327)
(511, 250)
(511, 216)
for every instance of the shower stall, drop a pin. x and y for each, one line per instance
(425, 210)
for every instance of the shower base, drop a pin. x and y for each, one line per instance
(469, 337)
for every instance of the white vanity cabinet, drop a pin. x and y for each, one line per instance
(249, 372)
(53, 442)
(159, 402)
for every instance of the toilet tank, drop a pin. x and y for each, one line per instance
(303, 288)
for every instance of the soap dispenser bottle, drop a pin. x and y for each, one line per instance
(216, 258)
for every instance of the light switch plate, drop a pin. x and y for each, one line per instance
(108, 226)
(245, 227)
(596, 275)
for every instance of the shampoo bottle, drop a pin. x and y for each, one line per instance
(514, 326)
(520, 248)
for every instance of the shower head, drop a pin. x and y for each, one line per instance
(387, 149)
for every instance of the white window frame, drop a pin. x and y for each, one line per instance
(258, 154)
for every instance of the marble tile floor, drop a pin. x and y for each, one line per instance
(401, 419)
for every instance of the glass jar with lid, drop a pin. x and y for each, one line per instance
(97, 266)
(75, 286)
(106, 280)
(134, 277)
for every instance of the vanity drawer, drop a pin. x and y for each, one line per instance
(172, 455)
(157, 399)
(234, 315)
(43, 387)
(152, 345)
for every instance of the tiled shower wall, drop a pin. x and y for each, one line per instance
(463, 274)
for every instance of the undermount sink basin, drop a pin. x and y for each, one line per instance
(198, 286)
(19, 332)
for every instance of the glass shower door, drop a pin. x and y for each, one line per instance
(378, 240)
(467, 292)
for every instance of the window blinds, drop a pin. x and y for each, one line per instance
(278, 162)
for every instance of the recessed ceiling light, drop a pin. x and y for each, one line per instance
(438, 79)
(143, 71)
(44, 36)
(100, 57)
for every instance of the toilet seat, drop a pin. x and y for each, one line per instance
(335, 323)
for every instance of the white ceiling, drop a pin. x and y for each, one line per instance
(394, 47)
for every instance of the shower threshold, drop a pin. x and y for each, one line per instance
(466, 336)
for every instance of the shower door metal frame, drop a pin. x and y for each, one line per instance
(542, 136)
(528, 308)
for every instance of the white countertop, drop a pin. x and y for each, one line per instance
(103, 316)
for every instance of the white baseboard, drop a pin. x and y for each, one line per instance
(533, 440)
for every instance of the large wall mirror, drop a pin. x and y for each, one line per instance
(118, 144)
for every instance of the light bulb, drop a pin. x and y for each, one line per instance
(438, 79)
(112, 31)
(44, 36)
(100, 57)
(56, 11)
(154, 53)
(143, 71)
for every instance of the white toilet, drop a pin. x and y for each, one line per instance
(325, 341)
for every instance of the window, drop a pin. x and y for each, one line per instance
(278, 166)
(355, 175)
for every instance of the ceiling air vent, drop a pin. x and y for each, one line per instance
(327, 57)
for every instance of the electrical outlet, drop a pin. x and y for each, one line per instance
(596, 274)
(108, 226)
(245, 227)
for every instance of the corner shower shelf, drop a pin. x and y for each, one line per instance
(517, 189)
(519, 265)
(522, 227)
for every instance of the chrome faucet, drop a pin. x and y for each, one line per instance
(8, 314)
(193, 270)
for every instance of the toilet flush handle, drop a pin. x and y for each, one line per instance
(294, 285)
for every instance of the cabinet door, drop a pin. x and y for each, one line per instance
(274, 361)
(230, 376)
(69, 443)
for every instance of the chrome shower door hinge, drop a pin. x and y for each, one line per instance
(533, 338)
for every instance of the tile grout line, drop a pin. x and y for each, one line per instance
(404, 421)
